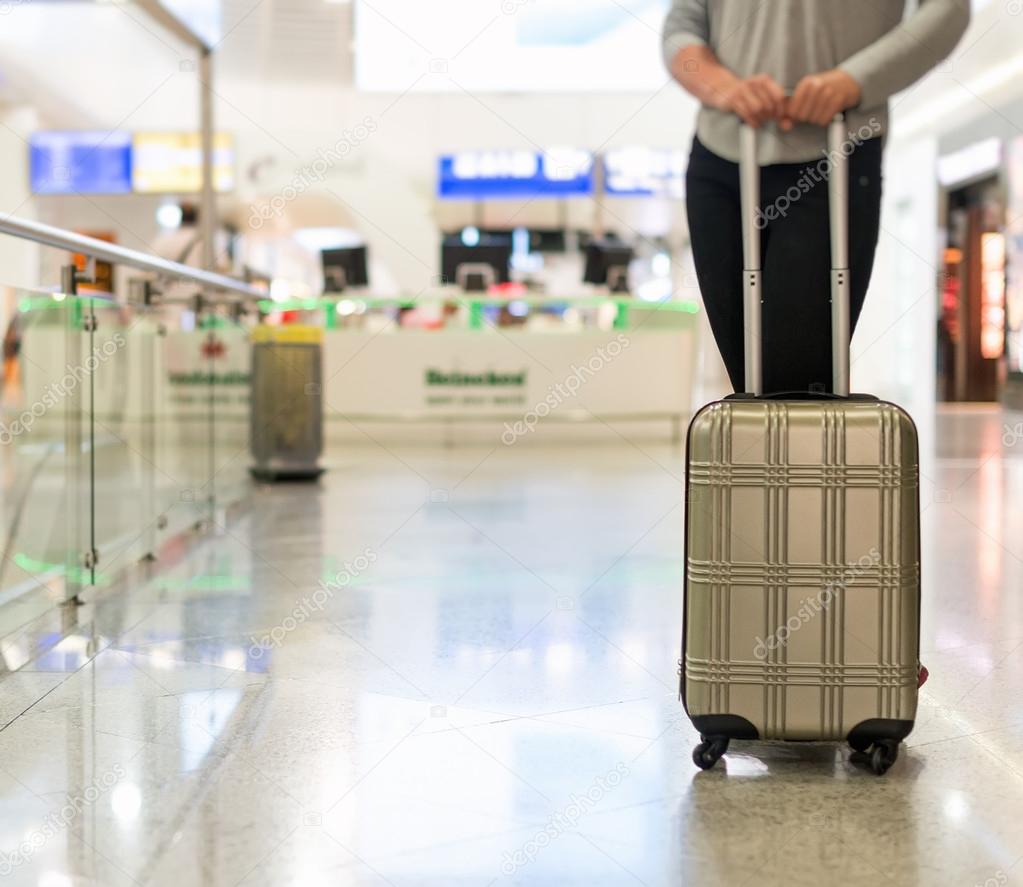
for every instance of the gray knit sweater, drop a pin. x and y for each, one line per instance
(875, 41)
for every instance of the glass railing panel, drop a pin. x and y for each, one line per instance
(44, 499)
(182, 409)
(121, 426)
(230, 371)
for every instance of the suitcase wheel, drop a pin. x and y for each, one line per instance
(879, 755)
(709, 751)
(883, 755)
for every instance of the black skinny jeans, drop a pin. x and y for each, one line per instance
(796, 255)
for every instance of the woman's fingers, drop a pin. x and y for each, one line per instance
(752, 104)
(770, 97)
(819, 97)
(762, 97)
(744, 109)
(825, 105)
(816, 99)
(765, 102)
(802, 99)
(774, 95)
(743, 102)
(757, 100)
(817, 105)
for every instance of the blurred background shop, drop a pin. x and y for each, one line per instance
(513, 148)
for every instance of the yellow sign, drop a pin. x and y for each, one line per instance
(171, 162)
(287, 335)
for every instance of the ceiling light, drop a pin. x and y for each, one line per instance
(169, 216)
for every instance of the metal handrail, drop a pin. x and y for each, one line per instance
(119, 255)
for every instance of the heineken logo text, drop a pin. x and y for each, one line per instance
(487, 379)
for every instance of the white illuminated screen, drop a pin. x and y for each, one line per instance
(555, 164)
(203, 17)
(509, 45)
(646, 172)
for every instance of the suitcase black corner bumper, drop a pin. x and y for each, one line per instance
(725, 726)
(879, 729)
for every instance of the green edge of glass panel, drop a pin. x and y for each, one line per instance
(622, 317)
(48, 303)
(268, 306)
(75, 574)
(216, 322)
(204, 583)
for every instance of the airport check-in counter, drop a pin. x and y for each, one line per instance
(464, 364)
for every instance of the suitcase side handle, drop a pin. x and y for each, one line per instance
(838, 204)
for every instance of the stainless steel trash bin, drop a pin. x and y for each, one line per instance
(287, 402)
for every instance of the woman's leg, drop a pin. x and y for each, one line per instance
(797, 261)
(865, 190)
(797, 266)
(715, 230)
(796, 283)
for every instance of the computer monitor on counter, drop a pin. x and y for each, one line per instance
(344, 267)
(607, 264)
(475, 268)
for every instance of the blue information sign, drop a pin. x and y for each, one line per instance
(479, 175)
(80, 162)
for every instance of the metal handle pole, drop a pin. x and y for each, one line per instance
(838, 202)
(749, 183)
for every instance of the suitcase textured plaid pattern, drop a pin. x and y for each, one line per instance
(802, 569)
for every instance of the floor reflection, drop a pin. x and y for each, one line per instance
(367, 683)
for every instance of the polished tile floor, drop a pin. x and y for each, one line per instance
(457, 667)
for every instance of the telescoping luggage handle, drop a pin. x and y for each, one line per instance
(838, 200)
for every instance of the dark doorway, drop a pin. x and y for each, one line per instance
(971, 320)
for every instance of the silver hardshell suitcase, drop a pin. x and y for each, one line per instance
(802, 570)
